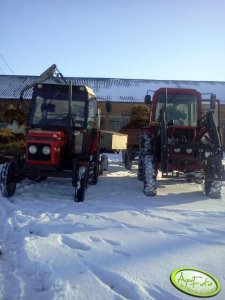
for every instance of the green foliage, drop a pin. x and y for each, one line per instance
(12, 114)
(11, 142)
(139, 117)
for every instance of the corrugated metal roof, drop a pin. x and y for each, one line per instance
(113, 89)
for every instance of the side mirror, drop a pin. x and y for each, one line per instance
(213, 101)
(148, 99)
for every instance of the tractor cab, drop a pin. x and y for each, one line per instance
(63, 106)
(62, 139)
(67, 114)
(182, 106)
(182, 139)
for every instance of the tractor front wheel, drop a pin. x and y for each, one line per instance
(150, 174)
(80, 191)
(213, 189)
(8, 182)
(140, 173)
(81, 184)
(213, 171)
(127, 161)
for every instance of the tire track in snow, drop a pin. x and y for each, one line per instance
(17, 268)
(119, 284)
(10, 279)
(34, 224)
(73, 243)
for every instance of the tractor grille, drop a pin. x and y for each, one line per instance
(39, 155)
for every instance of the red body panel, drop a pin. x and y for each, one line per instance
(95, 143)
(54, 139)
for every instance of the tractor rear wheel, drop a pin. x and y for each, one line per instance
(150, 174)
(140, 173)
(144, 148)
(8, 182)
(104, 163)
(95, 174)
(147, 163)
(213, 189)
(127, 161)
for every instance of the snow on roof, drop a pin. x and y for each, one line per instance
(113, 89)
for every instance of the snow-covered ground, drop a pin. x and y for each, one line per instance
(118, 244)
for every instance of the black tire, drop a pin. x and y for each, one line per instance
(104, 163)
(80, 191)
(145, 143)
(127, 161)
(8, 182)
(140, 173)
(94, 173)
(213, 189)
(145, 147)
(80, 186)
(150, 174)
(189, 178)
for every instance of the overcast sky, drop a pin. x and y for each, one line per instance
(141, 39)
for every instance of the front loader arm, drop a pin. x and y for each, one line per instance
(163, 140)
(49, 73)
(213, 131)
(214, 161)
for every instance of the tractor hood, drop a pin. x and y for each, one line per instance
(46, 135)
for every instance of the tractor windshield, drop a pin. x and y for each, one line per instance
(51, 108)
(181, 109)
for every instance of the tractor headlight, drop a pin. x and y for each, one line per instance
(188, 151)
(207, 154)
(176, 150)
(32, 149)
(46, 150)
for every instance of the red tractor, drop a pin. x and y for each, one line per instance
(181, 139)
(62, 139)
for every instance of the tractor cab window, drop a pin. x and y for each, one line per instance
(182, 110)
(92, 113)
(78, 113)
(62, 105)
(55, 112)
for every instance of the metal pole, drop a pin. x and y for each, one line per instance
(70, 122)
(70, 102)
